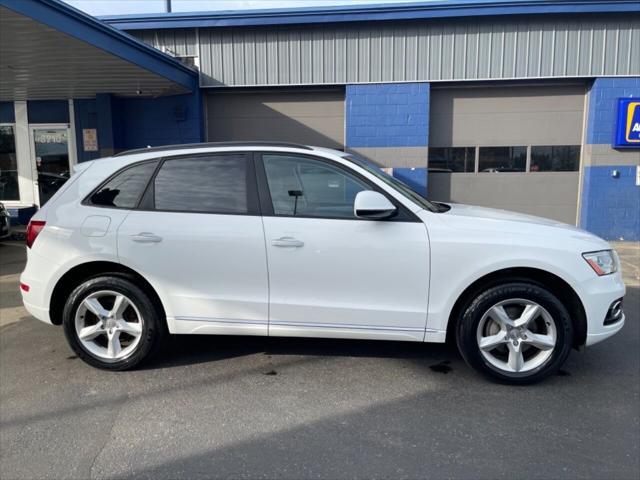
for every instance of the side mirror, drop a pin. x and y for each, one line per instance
(373, 206)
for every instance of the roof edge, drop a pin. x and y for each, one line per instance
(75, 23)
(375, 12)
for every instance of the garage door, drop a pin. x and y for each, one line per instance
(307, 117)
(516, 148)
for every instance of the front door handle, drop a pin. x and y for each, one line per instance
(146, 237)
(287, 242)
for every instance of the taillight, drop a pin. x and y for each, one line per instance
(33, 230)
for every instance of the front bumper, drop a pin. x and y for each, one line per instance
(598, 296)
(603, 334)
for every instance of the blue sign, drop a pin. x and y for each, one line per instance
(628, 126)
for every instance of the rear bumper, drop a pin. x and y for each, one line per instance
(37, 299)
(40, 313)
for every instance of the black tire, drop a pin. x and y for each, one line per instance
(153, 327)
(467, 331)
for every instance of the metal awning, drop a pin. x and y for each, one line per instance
(49, 50)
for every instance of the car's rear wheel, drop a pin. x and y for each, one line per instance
(515, 332)
(112, 324)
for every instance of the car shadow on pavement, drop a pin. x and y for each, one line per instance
(182, 350)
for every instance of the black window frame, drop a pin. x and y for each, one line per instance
(146, 201)
(403, 214)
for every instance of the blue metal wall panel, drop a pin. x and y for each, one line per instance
(611, 206)
(145, 122)
(387, 115)
(86, 116)
(362, 13)
(7, 113)
(48, 111)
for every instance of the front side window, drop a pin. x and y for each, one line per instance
(564, 158)
(452, 159)
(310, 188)
(125, 189)
(502, 159)
(204, 184)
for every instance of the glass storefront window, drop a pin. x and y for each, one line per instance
(565, 158)
(502, 159)
(52, 160)
(452, 159)
(8, 165)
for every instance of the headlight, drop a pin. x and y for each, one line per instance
(603, 262)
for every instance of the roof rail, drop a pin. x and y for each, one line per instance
(211, 145)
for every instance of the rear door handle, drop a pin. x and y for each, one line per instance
(287, 242)
(146, 237)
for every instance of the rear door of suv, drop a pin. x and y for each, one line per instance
(197, 236)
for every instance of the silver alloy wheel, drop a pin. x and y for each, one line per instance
(517, 335)
(109, 325)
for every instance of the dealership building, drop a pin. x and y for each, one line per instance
(532, 106)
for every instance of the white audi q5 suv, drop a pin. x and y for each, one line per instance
(288, 240)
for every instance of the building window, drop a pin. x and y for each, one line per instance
(452, 159)
(8, 165)
(564, 158)
(502, 159)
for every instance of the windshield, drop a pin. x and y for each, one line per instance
(396, 184)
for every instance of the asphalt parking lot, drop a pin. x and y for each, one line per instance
(231, 407)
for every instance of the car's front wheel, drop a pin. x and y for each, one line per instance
(111, 323)
(517, 332)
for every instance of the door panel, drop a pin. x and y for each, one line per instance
(210, 269)
(200, 241)
(350, 278)
(332, 274)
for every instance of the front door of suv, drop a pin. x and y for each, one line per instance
(197, 236)
(330, 273)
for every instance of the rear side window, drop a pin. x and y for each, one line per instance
(125, 189)
(207, 184)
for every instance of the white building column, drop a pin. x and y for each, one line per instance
(71, 143)
(26, 185)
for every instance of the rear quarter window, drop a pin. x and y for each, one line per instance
(125, 188)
